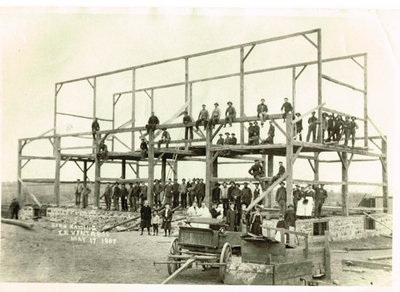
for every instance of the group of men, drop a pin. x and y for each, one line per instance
(135, 195)
(81, 192)
(305, 200)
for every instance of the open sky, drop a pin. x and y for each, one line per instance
(40, 47)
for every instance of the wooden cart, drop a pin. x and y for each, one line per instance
(203, 246)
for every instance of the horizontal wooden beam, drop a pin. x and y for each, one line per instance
(39, 180)
(238, 179)
(366, 264)
(326, 77)
(214, 51)
(83, 117)
(303, 181)
(355, 160)
(120, 180)
(27, 157)
(236, 162)
(248, 147)
(183, 141)
(307, 113)
(77, 147)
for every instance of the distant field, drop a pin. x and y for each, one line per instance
(44, 193)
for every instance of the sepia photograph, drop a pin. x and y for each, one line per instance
(198, 145)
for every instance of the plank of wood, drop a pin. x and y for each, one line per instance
(17, 223)
(366, 264)
(367, 248)
(353, 270)
(178, 271)
(380, 258)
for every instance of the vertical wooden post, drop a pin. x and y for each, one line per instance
(152, 100)
(215, 168)
(270, 173)
(94, 143)
(19, 174)
(175, 169)
(289, 157)
(55, 109)
(57, 156)
(187, 84)
(294, 89)
(365, 100)
(133, 116)
(319, 60)
(137, 169)
(241, 94)
(384, 176)
(316, 166)
(97, 174)
(345, 187)
(123, 169)
(191, 99)
(85, 173)
(208, 167)
(150, 169)
(327, 254)
(163, 170)
(113, 122)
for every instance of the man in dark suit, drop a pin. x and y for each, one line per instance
(124, 198)
(95, 128)
(167, 218)
(280, 198)
(116, 196)
(152, 123)
(231, 217)
(145, 216)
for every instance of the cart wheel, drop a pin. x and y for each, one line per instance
(225, 258)
(173, 250)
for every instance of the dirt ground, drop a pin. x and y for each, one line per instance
(43, 255)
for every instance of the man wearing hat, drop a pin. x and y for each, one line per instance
(256, 192)
(299, 127)
(227, 140)
(353, 127)
(215, 116)
(203, 117)
(233, 140)
(107, 196)
(165, 138)
(257, 172)
(256, 134)
(157, 189)
(346, 130)
(246, 194)
(216, 193)
(188, 129)
(286, 107)
(224, 196)
(175, 193)
(338, 128)
(312, 127)
(231, 188)
(152, 123)
(262, 111)
(281, 171)
(143, 148)
(116, 196)
(95, 127)
(331, 127)
(280, 198)
(124, 198)
(220, 141)
(183, 193)
(250, 130)
(297, 195)
(320, 195)
(168, 193)
(271, 134)
(230, 114)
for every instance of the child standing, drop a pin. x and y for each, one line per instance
(155, 222)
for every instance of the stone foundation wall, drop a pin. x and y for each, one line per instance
(341, 228)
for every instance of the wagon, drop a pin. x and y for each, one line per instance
(203, 246)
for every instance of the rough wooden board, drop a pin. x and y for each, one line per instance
(380, 258)
(366, 264)
(249, 274)
(292, 270)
